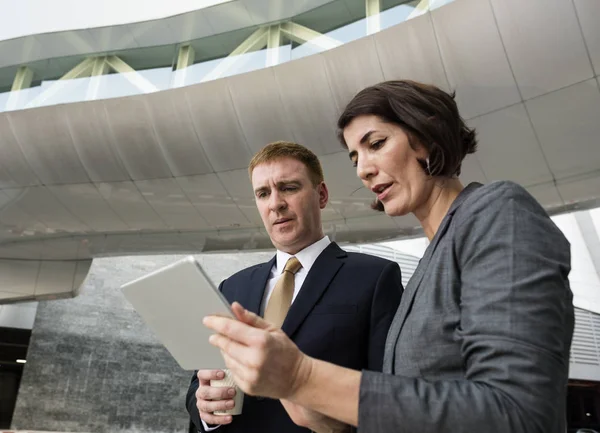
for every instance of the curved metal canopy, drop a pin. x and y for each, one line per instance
(221, 17)
(166, 172)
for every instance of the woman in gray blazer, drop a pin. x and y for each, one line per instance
(481, 339)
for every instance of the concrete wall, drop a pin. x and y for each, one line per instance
(92, 364)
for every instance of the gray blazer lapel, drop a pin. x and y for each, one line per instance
(413, 284)
(407, 300)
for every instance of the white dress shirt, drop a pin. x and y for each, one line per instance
(307, 257)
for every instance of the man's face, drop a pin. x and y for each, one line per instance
(288, 203)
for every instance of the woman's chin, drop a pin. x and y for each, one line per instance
(391, 210)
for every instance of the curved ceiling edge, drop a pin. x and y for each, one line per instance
(40, 16)
(175, 161)
(231, 15)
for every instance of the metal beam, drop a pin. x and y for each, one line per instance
(273, 45)
(99, 68)
(373, 11)
(420, 9)
(256, 41)
(185, 58)
(83, 69)
(131, 75)
(22, 81)
(301, 34)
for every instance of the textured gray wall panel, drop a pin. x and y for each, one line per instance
(93, 366)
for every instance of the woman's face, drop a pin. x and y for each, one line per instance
(387, 164)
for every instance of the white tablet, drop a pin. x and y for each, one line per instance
(173, 301)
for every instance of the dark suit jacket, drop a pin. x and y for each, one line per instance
(341, 314)
(481, 340)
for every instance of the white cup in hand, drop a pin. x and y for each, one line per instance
(238, 399)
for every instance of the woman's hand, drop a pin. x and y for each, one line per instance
(313, 420)
(260, 356)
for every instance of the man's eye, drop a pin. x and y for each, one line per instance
(355, 163)
(261, 195)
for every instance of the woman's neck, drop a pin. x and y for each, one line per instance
(432, 213)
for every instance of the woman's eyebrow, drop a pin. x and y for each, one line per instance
(366, 137)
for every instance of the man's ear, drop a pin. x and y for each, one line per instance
(323, 195)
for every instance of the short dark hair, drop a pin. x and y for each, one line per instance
(427, 115)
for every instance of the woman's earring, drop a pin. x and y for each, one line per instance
(424, 163)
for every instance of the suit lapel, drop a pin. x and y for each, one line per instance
(320, 275)
(251, 295)
(407, 299)
(413, 284)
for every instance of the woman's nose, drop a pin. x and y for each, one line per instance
(365, 169)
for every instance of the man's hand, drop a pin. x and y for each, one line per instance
(261, 358)
(313, 420)
(211, 398)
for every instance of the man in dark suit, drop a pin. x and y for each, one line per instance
(335, 306)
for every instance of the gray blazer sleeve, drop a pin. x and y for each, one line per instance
(516, 322)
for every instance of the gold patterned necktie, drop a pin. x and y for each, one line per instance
(281, 298)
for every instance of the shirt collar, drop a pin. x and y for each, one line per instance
(307, 257)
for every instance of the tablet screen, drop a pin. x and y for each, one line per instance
(173, 301)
